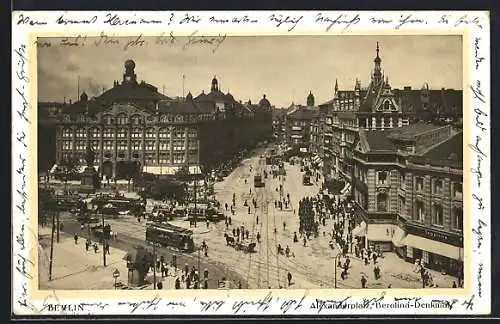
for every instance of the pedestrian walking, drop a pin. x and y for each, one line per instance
(96, 248)
(454, 285)
(177, 283)
(289, 277)
(159, 285)
(87, 244)
(363, 282)
(305, 241)
(258, 237)
(257, 220)
(226, 209)
(248, 210)
(76, 238)
(206, 251)
(107, 248)
(208, 224)
(376, 272)
(284, 226)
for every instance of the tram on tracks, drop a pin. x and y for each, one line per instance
(167, 235)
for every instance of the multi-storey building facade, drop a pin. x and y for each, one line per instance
(302, 127)
(378, 107)
(133, 122)
(279, 129)
(408, 190)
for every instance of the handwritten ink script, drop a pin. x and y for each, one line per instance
(279, 20)
(23, 264)
(165, 38)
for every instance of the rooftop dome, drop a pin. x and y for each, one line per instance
(264, 102)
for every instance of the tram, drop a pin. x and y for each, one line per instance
(170, 235)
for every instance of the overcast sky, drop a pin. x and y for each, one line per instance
(285, 68)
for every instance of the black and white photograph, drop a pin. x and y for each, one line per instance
(250, 162)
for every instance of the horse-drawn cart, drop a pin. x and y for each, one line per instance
(245, 246)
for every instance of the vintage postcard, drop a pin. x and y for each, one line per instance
(251, 163)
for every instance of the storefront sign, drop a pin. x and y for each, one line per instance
(431, 234)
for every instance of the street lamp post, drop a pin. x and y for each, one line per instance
(52, 247)
(58, 224)
(335, 265)
(103, 240)
(154, 266)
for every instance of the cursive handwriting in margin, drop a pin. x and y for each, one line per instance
(23, 265)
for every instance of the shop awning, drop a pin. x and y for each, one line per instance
(316, 159)
(359, 230)
(163, 170)
(435, 247)
(386, 233)
(194, 169)
(379, 232)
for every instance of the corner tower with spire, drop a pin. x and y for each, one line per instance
(377, 71)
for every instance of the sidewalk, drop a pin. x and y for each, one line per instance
(394, 270)
(76, 268)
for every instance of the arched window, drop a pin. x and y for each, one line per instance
(437, 215)
(163, 119)
(382, 202)
(387, 105)
(108, 119)
(122, 119)
(136, 119)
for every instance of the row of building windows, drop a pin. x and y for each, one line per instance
(383, 178)
(135, 145)
(135, 132)
(419, 215)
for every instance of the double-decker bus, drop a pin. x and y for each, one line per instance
(170, 235)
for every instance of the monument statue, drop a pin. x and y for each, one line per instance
(89, 176)
(90, 157)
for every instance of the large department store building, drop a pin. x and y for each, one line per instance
(133, 122)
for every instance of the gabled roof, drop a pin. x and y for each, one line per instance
(368, 100)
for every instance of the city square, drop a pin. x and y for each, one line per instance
(143, 189)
